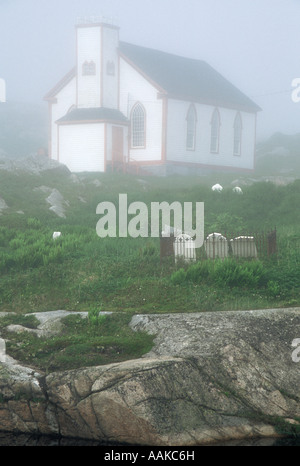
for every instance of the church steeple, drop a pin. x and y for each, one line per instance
(97, 65)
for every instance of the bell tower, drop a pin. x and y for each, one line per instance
(97, 64)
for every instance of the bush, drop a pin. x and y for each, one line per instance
(178, 277)
(227, 272)
(231, 273)
(200, 272)
(95, 318)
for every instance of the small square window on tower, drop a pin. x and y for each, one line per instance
(88, 68)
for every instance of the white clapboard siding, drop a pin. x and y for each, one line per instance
(177, 129)
(135, 88)
(110, 73)
(82, 147)
(88, 50)
(65, 100)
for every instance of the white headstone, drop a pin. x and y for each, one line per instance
(216, 246)
(184, 247)
(56, 234)
(217, 187)
(243, 246)
(237, 190)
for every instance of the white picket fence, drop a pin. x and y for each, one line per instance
(184, 248)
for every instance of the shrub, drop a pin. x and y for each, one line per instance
(178, 277)
(200, 272)
(95, 318)
(232, 273)
(227, 272)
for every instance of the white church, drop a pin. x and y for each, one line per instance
(127, 107)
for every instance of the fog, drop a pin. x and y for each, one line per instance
(253, 43)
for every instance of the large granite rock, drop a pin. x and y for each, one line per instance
(209, 377)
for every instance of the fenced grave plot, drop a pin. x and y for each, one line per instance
(216, 246)
(243, 246)
(184, 248)
(219, 246)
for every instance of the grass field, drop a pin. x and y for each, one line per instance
(80, 271)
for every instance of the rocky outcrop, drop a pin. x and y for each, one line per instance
(55, 199)
(33, 164)
(209, 377)
(3, 205)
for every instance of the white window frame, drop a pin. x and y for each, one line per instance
(215, 132)
(191, 120)
(138, 126)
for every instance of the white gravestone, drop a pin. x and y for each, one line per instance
(216, 246)
(243, 246)
(184, 247)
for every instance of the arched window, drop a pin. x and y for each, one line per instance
(191, 128)
(237, 128)
(88, 68)
(215, 131)
(138, 118)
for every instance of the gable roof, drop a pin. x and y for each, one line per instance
(177, 77)
(186, 78)
(61, 84)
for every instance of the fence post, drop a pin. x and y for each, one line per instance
(272, 242)
(166, 246)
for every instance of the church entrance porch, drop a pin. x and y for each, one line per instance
(118, 157)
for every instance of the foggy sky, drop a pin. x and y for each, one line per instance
(253, 43)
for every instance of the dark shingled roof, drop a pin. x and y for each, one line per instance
(92, 114)
(186, 78)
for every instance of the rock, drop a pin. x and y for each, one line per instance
(55, 199)
(97, 183)
(6, 163)
(2, 350)
(34, 164)
(210, 377)
(3, 205)
(57, 202)
(50, 323)
(74, 178)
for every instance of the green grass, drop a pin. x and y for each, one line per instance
(80, 271)
(82, 342)
(125, 274)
